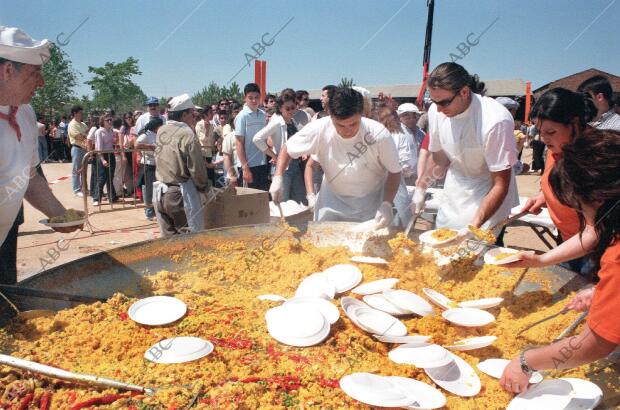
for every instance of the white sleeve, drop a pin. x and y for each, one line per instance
(500, 150)
(404, 151)
(434, 143)
(260, 138)
(388, 155)
(306, 140)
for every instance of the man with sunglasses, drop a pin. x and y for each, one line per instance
(152, 105)
(472, 144)
(303, 99)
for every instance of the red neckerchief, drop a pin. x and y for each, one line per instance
(12, 120)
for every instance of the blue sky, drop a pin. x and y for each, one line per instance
(183, 45)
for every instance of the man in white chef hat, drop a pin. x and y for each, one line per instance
(21, 59)
(471, 138)
(359, 158)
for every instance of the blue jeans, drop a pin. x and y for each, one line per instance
(77, 154)
(42, 149)
(293, 186)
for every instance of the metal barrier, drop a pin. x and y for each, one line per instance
(132, 184)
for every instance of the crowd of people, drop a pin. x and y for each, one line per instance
(350, 161)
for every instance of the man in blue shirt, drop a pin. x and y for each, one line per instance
(250, 120)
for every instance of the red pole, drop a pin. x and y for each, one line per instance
(528, 101)
(263, 85)
(257, 76)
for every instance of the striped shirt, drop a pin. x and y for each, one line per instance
(608, 121)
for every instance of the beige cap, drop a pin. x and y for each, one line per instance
(16, 45)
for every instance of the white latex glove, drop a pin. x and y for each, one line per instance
(277, 195)
(311, 200)
(384, 215)
(418, 201)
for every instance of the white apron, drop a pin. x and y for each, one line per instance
(333, 207)
(468, 181)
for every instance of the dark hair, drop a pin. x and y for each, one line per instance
(177, 115)
(233, 107)
(330, 90)
(453, 77)
(225, 101)
(154, 124)
(286, 95)
(597, 84)
(345, 103)
(103, 118)
(207, 110)
(251, 88)
(75, 109)
(562, 105)
(299, 94)
(222, 112)
(268, 97)
(588, 172)
(18, 66)
(117, 123)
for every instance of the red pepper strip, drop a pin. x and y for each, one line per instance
(23, 405)
(44, 403)
(96, 401)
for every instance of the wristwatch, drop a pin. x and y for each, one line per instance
(525, 368)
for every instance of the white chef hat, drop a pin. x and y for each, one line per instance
(16, 45)
(365, 93)
(407, 107)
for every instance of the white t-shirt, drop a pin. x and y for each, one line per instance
(16, 160)
(355, 166)
(143, 120)
(148, 137)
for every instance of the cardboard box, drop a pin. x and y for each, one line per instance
(244, 206)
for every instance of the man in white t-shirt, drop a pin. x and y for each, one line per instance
(471, 138)
(21, 59)
(152, 105)
(359, 158)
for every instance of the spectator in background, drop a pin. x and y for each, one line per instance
(153, 111)
(58, 147)
(64, 129)
(106, 163)
(303, 99)
(269, 102)
(232, 166)
(512, 106)
(599, 89)
(93, 125)
(42, 144)
(281, 128)
(327, 93)
(254, 167)
(218, 164)
(407, 114)
(77, 132)
(146, 176)
(206, 136)
(423, 120)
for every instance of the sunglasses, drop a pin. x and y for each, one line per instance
(108, 120)
(446, 102)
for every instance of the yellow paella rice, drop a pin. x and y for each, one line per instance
(443, 234)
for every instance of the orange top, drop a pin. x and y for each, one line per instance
(603, 317)
(563, 217)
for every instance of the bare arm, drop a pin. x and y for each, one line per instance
(435, 169)
(41, 196)
(494, 198)
(391, 187)
(283, 160)
(309, 176)
(247, 174)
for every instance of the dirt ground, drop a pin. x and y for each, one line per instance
(39, 247)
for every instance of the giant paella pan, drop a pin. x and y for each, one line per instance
(219, 274)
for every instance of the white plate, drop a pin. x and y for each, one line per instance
(495, 368)
(427, 238)
(178, 350)
(553, 394)
(468, 317)
(371, 260)
(409, 339)
(426, 396)
(272, 298)
(376, 286)
(346, 302)
(375, 390)
(485, 303)
(424, 356)
(489, 257)
(378, 322)
(296, 325)
(457, 377)
(409, 302)
(439, 299)
(343, 276)
(378, 301)
(316, 286)
(157, 310)
(328, 309)
(587, 394)
(472, 343)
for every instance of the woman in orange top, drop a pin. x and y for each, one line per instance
(560, 116)
(586, 179)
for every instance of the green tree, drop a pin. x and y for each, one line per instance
(233, 91)
(53, 99)
(113, 87)
(346, 82)
(213, 93)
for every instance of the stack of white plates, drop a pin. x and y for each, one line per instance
(425, 355)
(298, 324)
(372, 320)
(333, 280)
(408, 302)
(391, 391)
